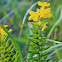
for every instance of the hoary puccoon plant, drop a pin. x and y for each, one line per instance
(9, 49)
(37, 42)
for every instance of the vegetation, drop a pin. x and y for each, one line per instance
(34, 38)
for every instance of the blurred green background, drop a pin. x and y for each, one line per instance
(12, 13)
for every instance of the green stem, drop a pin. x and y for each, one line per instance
(17, 48)
(38, 54)
(39, 45)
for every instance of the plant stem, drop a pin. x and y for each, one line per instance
(39, 47)
(38, 54)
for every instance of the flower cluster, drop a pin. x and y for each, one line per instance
(41, 13)
(2, 32)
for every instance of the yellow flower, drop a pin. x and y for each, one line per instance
(34, 15)
(42, 25)
(40, 14)
(45, 13)
(44, 4)
(2, 32)
(10, 30)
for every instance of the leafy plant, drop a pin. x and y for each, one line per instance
(37, 44)
(7, 52)
(11, 52)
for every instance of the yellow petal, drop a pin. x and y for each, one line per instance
(30, 18)
(44, 4)
(10, 30)
(31, 12)
(38, 10)
(40, 3)
(43, 27)
(5, 26)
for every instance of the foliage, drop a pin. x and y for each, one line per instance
(7, 52)
(38, 44)
(37, 41)
(12, 13)
(17, 49)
